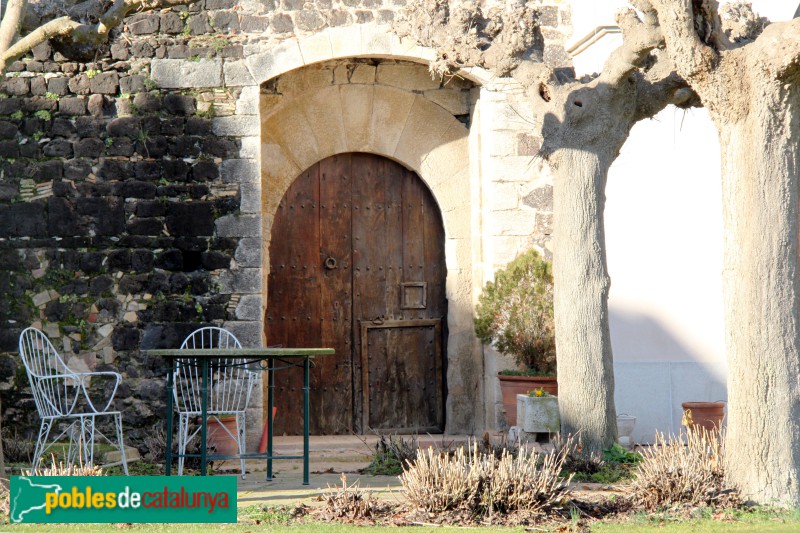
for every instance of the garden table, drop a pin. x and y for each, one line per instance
(289, 356)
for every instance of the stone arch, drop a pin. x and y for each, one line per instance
(310, 125)
(358, 40)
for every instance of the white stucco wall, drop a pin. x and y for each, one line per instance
(664, 236)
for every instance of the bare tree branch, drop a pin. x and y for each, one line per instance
(82, 33)
(640, 37)
(12, 20)
(692, 55)
(779, 48)
(654, 96)
(54, 28)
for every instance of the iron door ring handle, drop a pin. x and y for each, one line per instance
(330, 263)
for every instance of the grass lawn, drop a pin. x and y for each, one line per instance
(277, 520)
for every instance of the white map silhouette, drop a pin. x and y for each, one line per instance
(16, 514)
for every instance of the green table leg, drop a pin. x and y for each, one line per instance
(270, 407)
(306, 386)
(170, 378)
(203, 417)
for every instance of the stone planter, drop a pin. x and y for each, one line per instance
(511, 386)
(625, 425)
(538, 414)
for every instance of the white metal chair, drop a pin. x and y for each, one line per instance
(62, 395)
(229, 388)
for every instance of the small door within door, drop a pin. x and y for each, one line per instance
(357, 264)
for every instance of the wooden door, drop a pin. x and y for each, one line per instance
(357, 264)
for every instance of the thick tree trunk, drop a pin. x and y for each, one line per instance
(583, 342)
(761, 176)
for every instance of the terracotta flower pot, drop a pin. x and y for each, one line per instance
(217, 436)
(510, 386)
(704, 414)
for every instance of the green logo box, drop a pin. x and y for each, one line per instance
(119, 499)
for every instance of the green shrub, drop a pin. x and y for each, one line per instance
(515, 313)
(391, 455)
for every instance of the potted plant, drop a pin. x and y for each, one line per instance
(703, 414)
(221, 429)
(515, 314)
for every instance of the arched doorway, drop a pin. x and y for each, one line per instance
(357, 264)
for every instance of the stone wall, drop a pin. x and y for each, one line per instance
(131, 197)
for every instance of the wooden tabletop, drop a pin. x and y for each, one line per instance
(241, 352)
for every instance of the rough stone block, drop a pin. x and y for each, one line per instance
(248, 101)
(147, 103)
(61, 217)
(225, 21)
(10, 105)
(177, 73)
(105, 83)
(253, 24)
(8, 130)
(408, 77)
(122, 146)
(136, 189)
(454, 102)
(236, 126)
(99, 105)
(9, 149)
(240, 171)
(38, 86)
(145, 226)
(248, 252)
(198, 24)
(236, 74)
(124, 127)
(249, 307)
(58, 148)
(131, 84)
(238, 226)
(59, 86)
(251, 198)
(37, 103)
(171, 23)
(197, 126)
(72, 105)
(143, 24)
(16, 86)
(249, 333)
(214, 260)
(282, 23)
(251, 148)
(205, 171)
(25, 219)
(193, 219)
(42, 52)
(179, 104)
(220, 147)
(119, 51)
(241, 281)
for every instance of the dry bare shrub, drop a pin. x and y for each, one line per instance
(156, 443)
(61, 469)
(349, 501)
(5, 503)
(15, 448)
(676, 473)
(484, 483)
